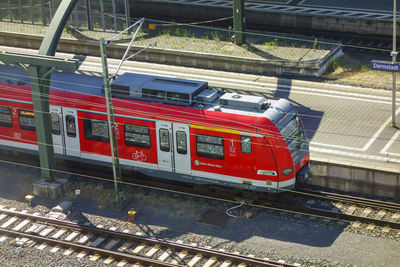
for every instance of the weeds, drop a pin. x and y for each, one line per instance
(271, 44)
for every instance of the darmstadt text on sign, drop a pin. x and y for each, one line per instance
(385, 66)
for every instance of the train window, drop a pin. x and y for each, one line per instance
(138, 136)
(5, 117)
(70, 123)
(210, 146)
(27, 120)
(245, 144)
(177, 96)
(55, 124)
(152, 93)
(181, 144)
(96, 130)
(164, 140)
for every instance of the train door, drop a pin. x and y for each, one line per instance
(181, 146)
(164, 146)
(71, 132)
(173, 148)
(57, 130)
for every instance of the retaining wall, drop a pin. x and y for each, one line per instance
(182, 58)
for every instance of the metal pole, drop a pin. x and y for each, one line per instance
(31, 12)
(394, 56)
(114, 15)
(111, 124)
(128, 16)
(9, 11)
(40, 100)
(238, 21)
(89, 15)
(103, 22)
(43, 13)
(20, 12)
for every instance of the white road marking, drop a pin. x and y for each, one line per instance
(391, 141)
(335, 146)
(354, 155)
(380, 130)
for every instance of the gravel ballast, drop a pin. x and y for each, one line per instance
(173, 216)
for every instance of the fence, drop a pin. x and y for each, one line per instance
(88, 14)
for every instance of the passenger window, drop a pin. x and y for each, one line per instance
(27, 120)
(55, 124)
(181, 144)
(5, 117)
(210, 146)
(136, 135)
(96, 130)
(164, 140)
(70, 123)
(245, 144)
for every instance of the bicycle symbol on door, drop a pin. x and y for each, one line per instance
(139, 156)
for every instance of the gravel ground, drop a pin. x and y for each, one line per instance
(173, 216)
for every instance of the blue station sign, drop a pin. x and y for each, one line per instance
(385, 66)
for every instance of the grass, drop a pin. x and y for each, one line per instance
(354, 69)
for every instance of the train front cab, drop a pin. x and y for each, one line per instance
(285, 138)
(294, 141)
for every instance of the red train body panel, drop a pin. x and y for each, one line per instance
(198, 143)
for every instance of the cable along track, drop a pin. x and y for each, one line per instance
(346, 208)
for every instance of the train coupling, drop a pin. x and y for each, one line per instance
(303, 175)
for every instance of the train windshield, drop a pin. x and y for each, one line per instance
(293, 135)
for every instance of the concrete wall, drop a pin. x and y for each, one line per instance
(262, 18)
(356, 178)
(180, 58)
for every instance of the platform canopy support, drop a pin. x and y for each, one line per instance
(39, 68)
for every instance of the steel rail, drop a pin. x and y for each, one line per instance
(332, 214)
(346, 198)
(140, 239)
(100, 251)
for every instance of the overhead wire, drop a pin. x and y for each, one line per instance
(144, 104)
(356, 135)
(194, 101)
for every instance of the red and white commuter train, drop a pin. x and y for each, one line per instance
(167, 128)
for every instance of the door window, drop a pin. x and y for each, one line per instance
(70, 123)
(181, 143)
(55, 124)
(164, 140)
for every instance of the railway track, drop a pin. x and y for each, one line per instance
(110, 245)
(361, 212)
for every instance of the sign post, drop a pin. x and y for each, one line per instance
(391, 67)
(394, 56)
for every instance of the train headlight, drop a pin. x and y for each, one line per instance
(287, 171)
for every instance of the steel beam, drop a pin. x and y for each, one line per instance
(53, 34)
(40, 61)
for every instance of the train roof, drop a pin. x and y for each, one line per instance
(196, 94)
